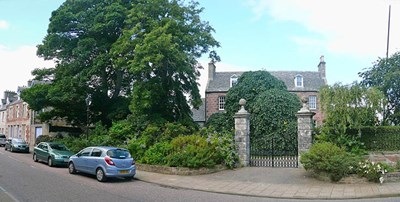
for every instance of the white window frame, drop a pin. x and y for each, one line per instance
(221, 103)
(312, 102)
(233, 80)
(298, 79)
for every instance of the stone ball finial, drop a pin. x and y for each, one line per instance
(304, 100)
(305, 107)
(242, 102)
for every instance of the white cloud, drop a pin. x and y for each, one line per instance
(16, 66)
(355, 27)
(4, 24)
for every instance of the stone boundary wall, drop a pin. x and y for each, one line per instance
(392, 177)
(178, 170)
(354, 179)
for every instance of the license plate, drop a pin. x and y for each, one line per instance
(65, 160)
(123, 171)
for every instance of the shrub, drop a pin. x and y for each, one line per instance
(75, 144)
(225, 147)
(192, 151)
(326, 157)
(120, 132)
(101, 140)
(220, 122)
(157, 154)
(351, 142)
(44, 138)
(172, 130)
(137, 147)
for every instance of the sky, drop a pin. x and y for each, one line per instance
(254, 35)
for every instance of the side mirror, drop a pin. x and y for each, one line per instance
(79, 154)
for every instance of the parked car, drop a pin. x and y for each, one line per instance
(104, 162)
(53, 153)
(3, 140)
(16, 145)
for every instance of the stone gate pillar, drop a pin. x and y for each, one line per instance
(242, 134)
(304, 129)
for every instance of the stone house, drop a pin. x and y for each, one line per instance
(9, 97)
(305, 84)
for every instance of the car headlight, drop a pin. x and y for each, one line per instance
(57, 156)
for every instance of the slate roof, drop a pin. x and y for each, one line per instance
(312, 81)
(199, 115)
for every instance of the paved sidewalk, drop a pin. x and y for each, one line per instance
(272, 182)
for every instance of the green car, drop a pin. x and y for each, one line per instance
(52, 153)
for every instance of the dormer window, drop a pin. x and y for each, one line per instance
(298, 81)
(234, 80)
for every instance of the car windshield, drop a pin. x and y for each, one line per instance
(118, 153)
(60, 147)
(18, 141)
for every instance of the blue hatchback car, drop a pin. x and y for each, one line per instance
(104, 162)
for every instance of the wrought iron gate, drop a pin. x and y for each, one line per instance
(274, 152)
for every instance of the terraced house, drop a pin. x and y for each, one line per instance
(306, 84)
(17, 120)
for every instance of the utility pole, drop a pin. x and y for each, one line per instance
(388, 35)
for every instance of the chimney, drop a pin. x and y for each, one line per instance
(322, 68)
(211, 71)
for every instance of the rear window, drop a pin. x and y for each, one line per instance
(118, 153)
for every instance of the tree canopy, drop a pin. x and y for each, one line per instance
(130, 56)
(272, 108)
(249, 86)
(274, 114)
(384, 75)
(350, 106)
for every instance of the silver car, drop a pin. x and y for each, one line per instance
(104, 162)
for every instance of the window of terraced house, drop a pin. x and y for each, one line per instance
(221, 103)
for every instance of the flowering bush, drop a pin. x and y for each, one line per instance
(372, 171)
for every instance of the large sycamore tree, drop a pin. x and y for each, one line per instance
(134, 57)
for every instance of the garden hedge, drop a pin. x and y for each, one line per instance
(379, 138)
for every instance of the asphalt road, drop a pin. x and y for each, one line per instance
(23, 180)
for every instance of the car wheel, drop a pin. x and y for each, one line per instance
(50, 162)
(101, 177)
(71, 168)
(5, 148)
(35, 158)
(11, 149)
